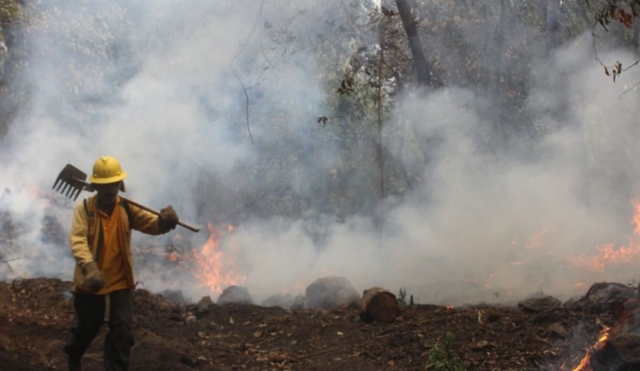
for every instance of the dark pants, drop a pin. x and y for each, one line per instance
(90, 310)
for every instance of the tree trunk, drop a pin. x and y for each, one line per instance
(422, 66)
(379, 148)
(552, 25)
(378, 305)
(553, 41)
(636, 37)
(497, 95)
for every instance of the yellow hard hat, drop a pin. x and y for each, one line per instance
(107, 170)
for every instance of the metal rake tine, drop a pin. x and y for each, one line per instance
(55, 183)
(61, 185)
(77, 194)
(75, 191)
(65, 188)
(70, 191)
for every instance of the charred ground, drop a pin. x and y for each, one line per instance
(35, 315)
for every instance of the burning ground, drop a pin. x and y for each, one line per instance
(280, 127)
(300, 333)
(537, 334)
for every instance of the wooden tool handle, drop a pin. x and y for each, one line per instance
(152, 211)
(89, 187)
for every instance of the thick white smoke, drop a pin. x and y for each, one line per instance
(151, 84)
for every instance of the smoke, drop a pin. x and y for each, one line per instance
(153, 84)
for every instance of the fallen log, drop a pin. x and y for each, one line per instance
(378, 305)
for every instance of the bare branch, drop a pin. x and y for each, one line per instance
(246, 107)
(606, 68)
(7, 263)
(244, 46)
(265, 55)
(628, 90)
(635, 63)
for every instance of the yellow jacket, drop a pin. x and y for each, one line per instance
(86, 230)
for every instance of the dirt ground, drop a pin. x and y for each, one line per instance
(35, 315)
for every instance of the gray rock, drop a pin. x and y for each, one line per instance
(574, 303)
(190, 320)
(601, 296)
(235, 294)
(283, 301)
(300, 302)
(173, 295)
(204, 305)
(332, 293)
(66, 295)
(539, 304)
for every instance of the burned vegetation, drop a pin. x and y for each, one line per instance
(231, 333)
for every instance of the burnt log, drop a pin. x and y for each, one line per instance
(378, 305)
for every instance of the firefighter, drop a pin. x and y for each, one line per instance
(103, 277)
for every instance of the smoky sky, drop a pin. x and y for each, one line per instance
(153, 84)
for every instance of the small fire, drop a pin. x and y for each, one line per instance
(537, 239)
(608, 254)
(534, 244)
(175, 253)
(584, 363)
(213, 267)
(31, 193)
(172, 256)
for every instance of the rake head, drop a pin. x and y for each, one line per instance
(71, 181)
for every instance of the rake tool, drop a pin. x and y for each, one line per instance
(71, 181)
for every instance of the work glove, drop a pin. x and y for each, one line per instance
(93, 278)
(168, 218)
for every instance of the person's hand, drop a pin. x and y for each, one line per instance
(168, 218)
(93, 278)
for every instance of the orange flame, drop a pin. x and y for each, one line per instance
(537, 239)
(41, 199)
(636, 217)
(584, 363)
(534, 244)
(214, 268)
(608, 254)
(172, 256)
